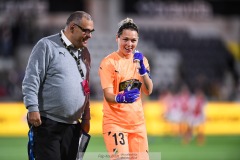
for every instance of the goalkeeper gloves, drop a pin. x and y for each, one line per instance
(127, 96)
(139, 57)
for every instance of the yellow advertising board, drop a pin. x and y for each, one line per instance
(13, 119)
(221, 118)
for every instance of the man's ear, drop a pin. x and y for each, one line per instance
(71, 27)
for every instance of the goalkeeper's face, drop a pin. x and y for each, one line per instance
(127, 42)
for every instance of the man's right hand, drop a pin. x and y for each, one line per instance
(127, 96)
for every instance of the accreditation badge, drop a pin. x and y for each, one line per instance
(85, 86)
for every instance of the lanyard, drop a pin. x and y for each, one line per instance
(77, 59)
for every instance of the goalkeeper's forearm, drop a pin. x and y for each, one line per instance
(109, 95)
(147, 82)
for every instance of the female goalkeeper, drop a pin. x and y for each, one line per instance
(124, 75)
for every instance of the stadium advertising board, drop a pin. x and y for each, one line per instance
(221, 118)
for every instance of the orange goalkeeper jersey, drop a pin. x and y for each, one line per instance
(113, 70)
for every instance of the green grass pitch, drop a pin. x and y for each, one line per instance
(215, 148)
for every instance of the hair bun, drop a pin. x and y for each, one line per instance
(127, 23)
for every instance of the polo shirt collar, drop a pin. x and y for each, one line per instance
(66, 40)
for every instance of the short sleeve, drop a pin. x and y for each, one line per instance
(106, 73)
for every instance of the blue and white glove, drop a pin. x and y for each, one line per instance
(139, 57)
(127, 96)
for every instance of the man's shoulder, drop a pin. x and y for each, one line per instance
(47, 38)
(53, 37)
(51, 40)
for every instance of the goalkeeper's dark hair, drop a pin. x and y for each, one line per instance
(126, 24)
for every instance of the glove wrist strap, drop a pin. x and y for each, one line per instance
(116, 98)
(143, 74)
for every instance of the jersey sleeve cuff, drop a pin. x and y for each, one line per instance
(33, 109)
